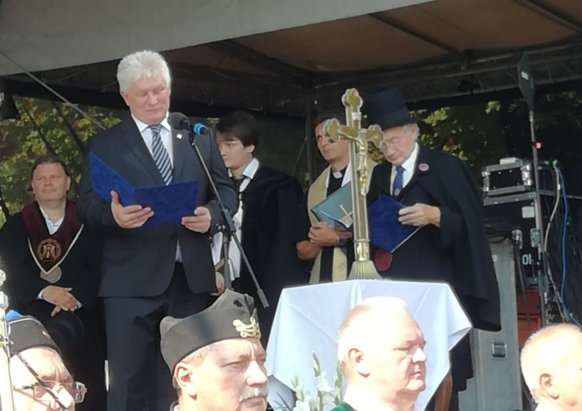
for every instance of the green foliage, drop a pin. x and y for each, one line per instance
(44, 127)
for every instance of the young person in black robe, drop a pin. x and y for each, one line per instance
(443, 198)
(269, 204)
(52, 264)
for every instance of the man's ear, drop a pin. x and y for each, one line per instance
(124, 95)
(357, 361)
(185, 379)
(547, 385)
(250, 148)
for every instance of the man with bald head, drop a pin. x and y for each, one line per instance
(551, 363)
(380, 352)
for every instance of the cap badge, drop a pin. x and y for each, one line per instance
(247, 330)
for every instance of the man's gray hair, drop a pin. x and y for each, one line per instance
(360, 325)
(142, 64)
(409, 128)
(194, 359)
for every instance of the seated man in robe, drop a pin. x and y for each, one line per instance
(52, 265)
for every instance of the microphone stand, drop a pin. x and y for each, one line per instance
(229, 228)
(6, 398)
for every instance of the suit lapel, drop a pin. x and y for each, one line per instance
(180, 147)
(137, 146)
(421, 168)
(384, 176)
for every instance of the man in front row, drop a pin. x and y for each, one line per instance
(380, 352)
(551, 363)
(40, 379)
(216, 357)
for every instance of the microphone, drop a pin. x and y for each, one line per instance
(179, 121)
(201, 129)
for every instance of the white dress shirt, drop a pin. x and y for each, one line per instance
(408, 167)
(166, 135)
(52, 227)
(361, 399)
(234, 256)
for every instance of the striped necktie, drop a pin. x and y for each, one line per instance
(160, 154)
(398, 181)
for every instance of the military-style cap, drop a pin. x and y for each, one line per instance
(232, 315)
(388, 109)
(27, 332)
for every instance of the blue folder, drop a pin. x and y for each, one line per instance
(169, 202)
(386, 231)
(337, 208)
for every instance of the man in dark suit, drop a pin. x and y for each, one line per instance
(440, 196)
(150, 272)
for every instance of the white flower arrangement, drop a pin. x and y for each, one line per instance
(327, 396)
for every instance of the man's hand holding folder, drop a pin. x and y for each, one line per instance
(131, 216)
(419, 215)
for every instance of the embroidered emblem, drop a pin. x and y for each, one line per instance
(423, 167)
(49, 250)
(247, 331)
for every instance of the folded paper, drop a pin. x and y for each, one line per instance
(386, 231)
(169, 202)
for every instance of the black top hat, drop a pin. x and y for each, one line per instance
(388, 109)
(231, 316)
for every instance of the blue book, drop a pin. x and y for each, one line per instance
(386, 231)
(169, 202)
(337, 208)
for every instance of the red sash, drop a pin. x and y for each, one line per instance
(48, 249)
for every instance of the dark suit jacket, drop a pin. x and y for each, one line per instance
(140, 262)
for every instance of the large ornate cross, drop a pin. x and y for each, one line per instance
(358, 138)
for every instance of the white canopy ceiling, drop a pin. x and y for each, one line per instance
(45, 35)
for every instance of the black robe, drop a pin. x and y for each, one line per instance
(271, 204)
(81, 272)
(458, 252)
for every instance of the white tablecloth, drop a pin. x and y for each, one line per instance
(308, 318)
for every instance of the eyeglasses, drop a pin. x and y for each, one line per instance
(41, 388)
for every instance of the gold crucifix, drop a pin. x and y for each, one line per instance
(358, 139)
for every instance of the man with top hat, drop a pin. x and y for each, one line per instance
(216, 357)
(441, 196)
(331, 250)
(52, 263)
(40, 380)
